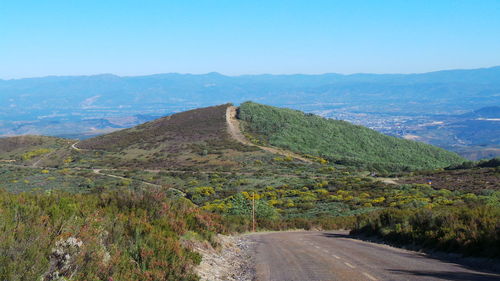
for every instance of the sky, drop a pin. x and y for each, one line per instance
(41, 38)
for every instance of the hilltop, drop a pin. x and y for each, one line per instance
(339, 141)
(172, 132)
(192, 140)
(201, 139)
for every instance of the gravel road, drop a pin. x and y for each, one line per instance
(301, 256)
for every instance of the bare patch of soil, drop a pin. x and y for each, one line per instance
(231, 261)
(233, 126)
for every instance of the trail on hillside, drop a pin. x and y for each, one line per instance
(35, 164)
(74, 146)
(233, 127)
(98, 172)
(387, 180)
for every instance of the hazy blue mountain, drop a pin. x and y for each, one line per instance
(104, 94)
(79, 106)
(485, 112)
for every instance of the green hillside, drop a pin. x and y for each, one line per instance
(28, 149)
(12, 146)
(339, 141)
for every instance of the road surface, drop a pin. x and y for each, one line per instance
(74, 146)
(304, 256)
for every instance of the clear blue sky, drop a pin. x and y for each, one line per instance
(44, 37)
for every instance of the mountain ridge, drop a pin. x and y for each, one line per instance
(201, 138)
(217, 74)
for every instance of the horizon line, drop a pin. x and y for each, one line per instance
(242, 75)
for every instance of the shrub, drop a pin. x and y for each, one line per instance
(354, 145)
(124, 235)
(471, 230)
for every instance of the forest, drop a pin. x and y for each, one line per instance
(339, 141)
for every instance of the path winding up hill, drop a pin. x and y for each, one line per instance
(233, 126)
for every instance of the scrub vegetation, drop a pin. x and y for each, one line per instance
(128, 205)
(119, 235)
(339, 141)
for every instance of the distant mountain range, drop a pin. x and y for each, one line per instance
(107, 94)
(484, 113)
(474, 135)
(83, 106)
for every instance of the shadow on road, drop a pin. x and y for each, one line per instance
(487, 266)
(447, 275)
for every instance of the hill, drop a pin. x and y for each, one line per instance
(136, 200)
(199, 139)
(485, 112)
(173, 132)
(29, 149)
(339, 141)
(192, 139)
(86, 106)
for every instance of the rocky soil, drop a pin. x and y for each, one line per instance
(231, 261)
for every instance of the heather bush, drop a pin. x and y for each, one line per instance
(125, 235)
(471, 230)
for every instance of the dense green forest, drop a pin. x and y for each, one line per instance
(339, 141)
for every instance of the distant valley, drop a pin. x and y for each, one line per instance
(442, 108)
(474, 135)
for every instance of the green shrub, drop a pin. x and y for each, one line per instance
(339, 141)
(471, 230)
(125, 235)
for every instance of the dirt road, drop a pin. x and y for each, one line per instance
(301, 256)
(233, 126)
(74, 146)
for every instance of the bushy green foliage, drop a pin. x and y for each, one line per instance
(34, 153)
(125, 235)
(485, 163)
(472, 230)
(242, 206)
(20, 179)
(475, 179)
(491, 163)
(339, 141)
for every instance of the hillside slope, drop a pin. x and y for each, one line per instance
(339, 141)
(30, 150)
(187, 127)
(199, 139)
(192, 139)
